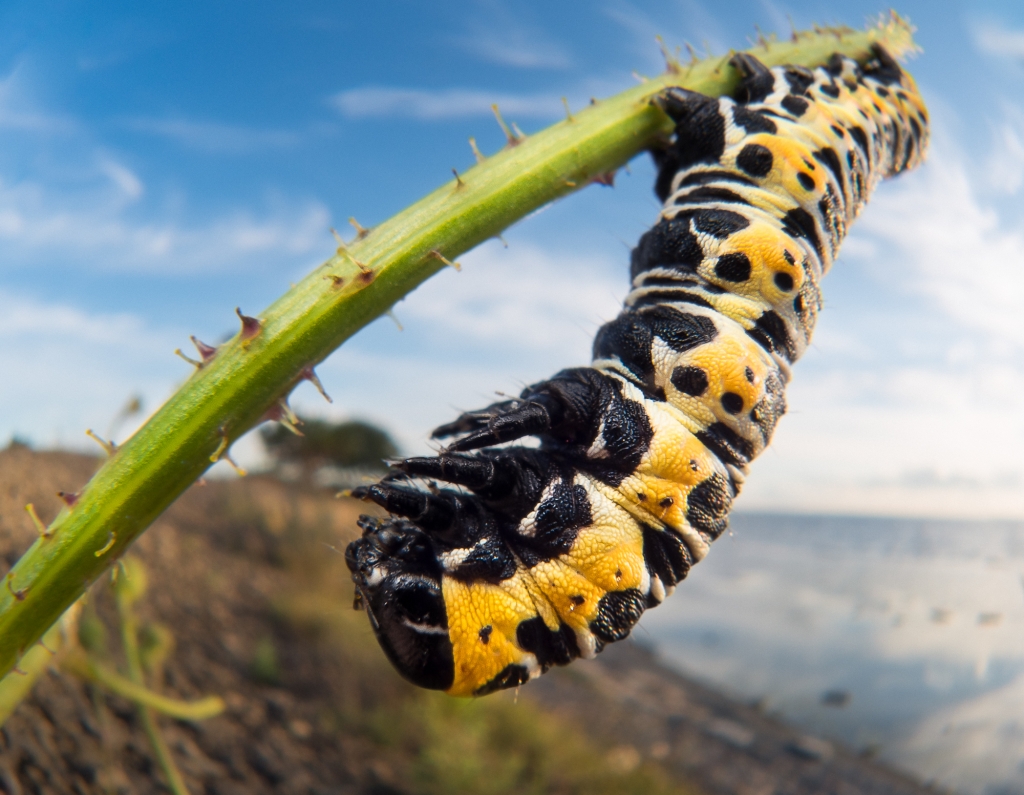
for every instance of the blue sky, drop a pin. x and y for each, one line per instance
(161, 163)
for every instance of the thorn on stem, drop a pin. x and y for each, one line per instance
(639, 77)
(109, 447)
(42, 529)
(361, 231)
(794, 35)
(607, 179)
(309, 374)
(693, 53)
(391, 314)
(504, 242)
(281, 412)
(435, 254)
(69, 498)
(206, 352)
(568, 113)
(111, 540)
(458, 180)
(509, 137)
(53, 653)
(250, 325)
(341, 243)
(476, 152)
(366, 274)
(189, 359)
(760, 36)
(221, 454)
(336, 281)
(671, 64)
(18, 594)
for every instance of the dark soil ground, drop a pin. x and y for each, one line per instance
(246, 576)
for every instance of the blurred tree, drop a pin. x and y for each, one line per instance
(352, 444)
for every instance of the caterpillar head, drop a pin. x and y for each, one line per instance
(398, 580)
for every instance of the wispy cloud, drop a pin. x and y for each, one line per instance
(524, 299)
(66, 369)
(214, 137)
(688, 20)
(434, 105)
(19, 113)
(998, 40)
(953, 246)
(39, 221)
(1005, 162)
(123, 177)
(516, 49)
(501, 35)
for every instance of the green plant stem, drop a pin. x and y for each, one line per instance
(79, 663)
(250, 374)
(163, 754)
(130, 642)
(18, 684)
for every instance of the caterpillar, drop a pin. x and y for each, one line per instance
(547, 553)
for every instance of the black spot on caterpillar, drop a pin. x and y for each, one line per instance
(546, 554)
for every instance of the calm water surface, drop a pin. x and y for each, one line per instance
(902, 637)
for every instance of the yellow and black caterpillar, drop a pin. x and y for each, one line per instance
(548, 553)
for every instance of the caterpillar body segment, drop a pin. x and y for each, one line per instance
(530, 557)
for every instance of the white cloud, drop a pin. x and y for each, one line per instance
(123, 177)
(500, 33)
(998, 40)
(66, 369)
(504, 38)
(38, 221)
(1006, 156)
(19, 113)
(689, 21)
(22, 318)
(388, 102)
(518, 50)
(85, 206)
(952, 246)
(215, 137)
(523, 297)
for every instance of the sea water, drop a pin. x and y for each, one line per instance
(897, 637)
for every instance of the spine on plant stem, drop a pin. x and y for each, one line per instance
(235, 386)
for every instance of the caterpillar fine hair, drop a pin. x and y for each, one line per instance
(544, 554)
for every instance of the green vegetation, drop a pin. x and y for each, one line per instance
(322, 443)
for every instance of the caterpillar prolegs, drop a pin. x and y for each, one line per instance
(544, 554)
